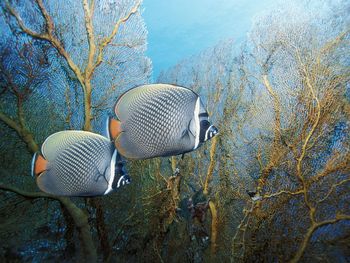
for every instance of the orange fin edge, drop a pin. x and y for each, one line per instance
(39, 164)
(114, 128)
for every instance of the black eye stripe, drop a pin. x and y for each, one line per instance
(203, 114)
(205, 124)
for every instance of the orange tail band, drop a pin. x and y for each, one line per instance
(114, 128)
(39, 164)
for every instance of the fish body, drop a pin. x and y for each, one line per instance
(75, 163)
(159, 120)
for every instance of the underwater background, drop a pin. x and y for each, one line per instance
(273, 186)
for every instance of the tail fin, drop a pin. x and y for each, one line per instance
(113, 128)
(39, 164)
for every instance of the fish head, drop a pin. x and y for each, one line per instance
(206, 129)
(207, 132)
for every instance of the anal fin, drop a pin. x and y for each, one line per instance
(126, 148)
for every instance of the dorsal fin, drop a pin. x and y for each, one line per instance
(61, 140)
(39, 164)
(122, 106)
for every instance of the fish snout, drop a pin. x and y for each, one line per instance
(211, 132)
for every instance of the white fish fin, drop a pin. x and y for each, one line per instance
(60, 141)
